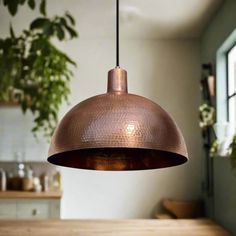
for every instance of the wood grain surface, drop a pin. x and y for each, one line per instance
(200, 227)
(29, 195)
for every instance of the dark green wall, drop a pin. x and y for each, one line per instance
(219, 29)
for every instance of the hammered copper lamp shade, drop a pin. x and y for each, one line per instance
(117, 131)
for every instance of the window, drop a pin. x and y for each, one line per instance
(231, 86)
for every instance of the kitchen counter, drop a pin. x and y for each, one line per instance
(203, 227)
(30, 195)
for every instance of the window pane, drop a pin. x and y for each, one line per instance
(232, 111)
(232, 71)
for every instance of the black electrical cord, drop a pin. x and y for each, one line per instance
(117, 34)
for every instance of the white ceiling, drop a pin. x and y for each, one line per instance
(167, 18)
(142, 18)
(145, 19)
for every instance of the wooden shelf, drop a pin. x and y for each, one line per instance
(9, 104)
(30, 195)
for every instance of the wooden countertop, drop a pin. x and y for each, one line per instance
(30, 195)
(200, 227)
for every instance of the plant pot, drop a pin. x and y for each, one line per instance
(184, 209)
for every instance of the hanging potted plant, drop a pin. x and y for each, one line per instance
(34, 72)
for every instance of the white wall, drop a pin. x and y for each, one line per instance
(166, 71)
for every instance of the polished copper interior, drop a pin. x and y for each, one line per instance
(117, 159)
(117, 131)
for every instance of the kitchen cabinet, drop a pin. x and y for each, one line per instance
(29, 206)
(7, 209)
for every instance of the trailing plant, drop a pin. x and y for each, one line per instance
(231, 150)
(35, 73)
(214, 148)
(206, 115)
(207, 119)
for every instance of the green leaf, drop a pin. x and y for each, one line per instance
(12, 32)
(42, 7)
(48, 30)
(21, 1)
(31, 4)
(24, 106)
(71, 31)
(40, 23)
(1, 44)
(12, 6)
(60, 32)
(63, 21)
(71, 19)
(5, 2)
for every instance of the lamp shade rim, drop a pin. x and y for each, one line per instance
(104, 159)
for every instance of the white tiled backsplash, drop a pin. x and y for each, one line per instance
(16, 137)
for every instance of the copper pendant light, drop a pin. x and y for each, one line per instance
(117, 130)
